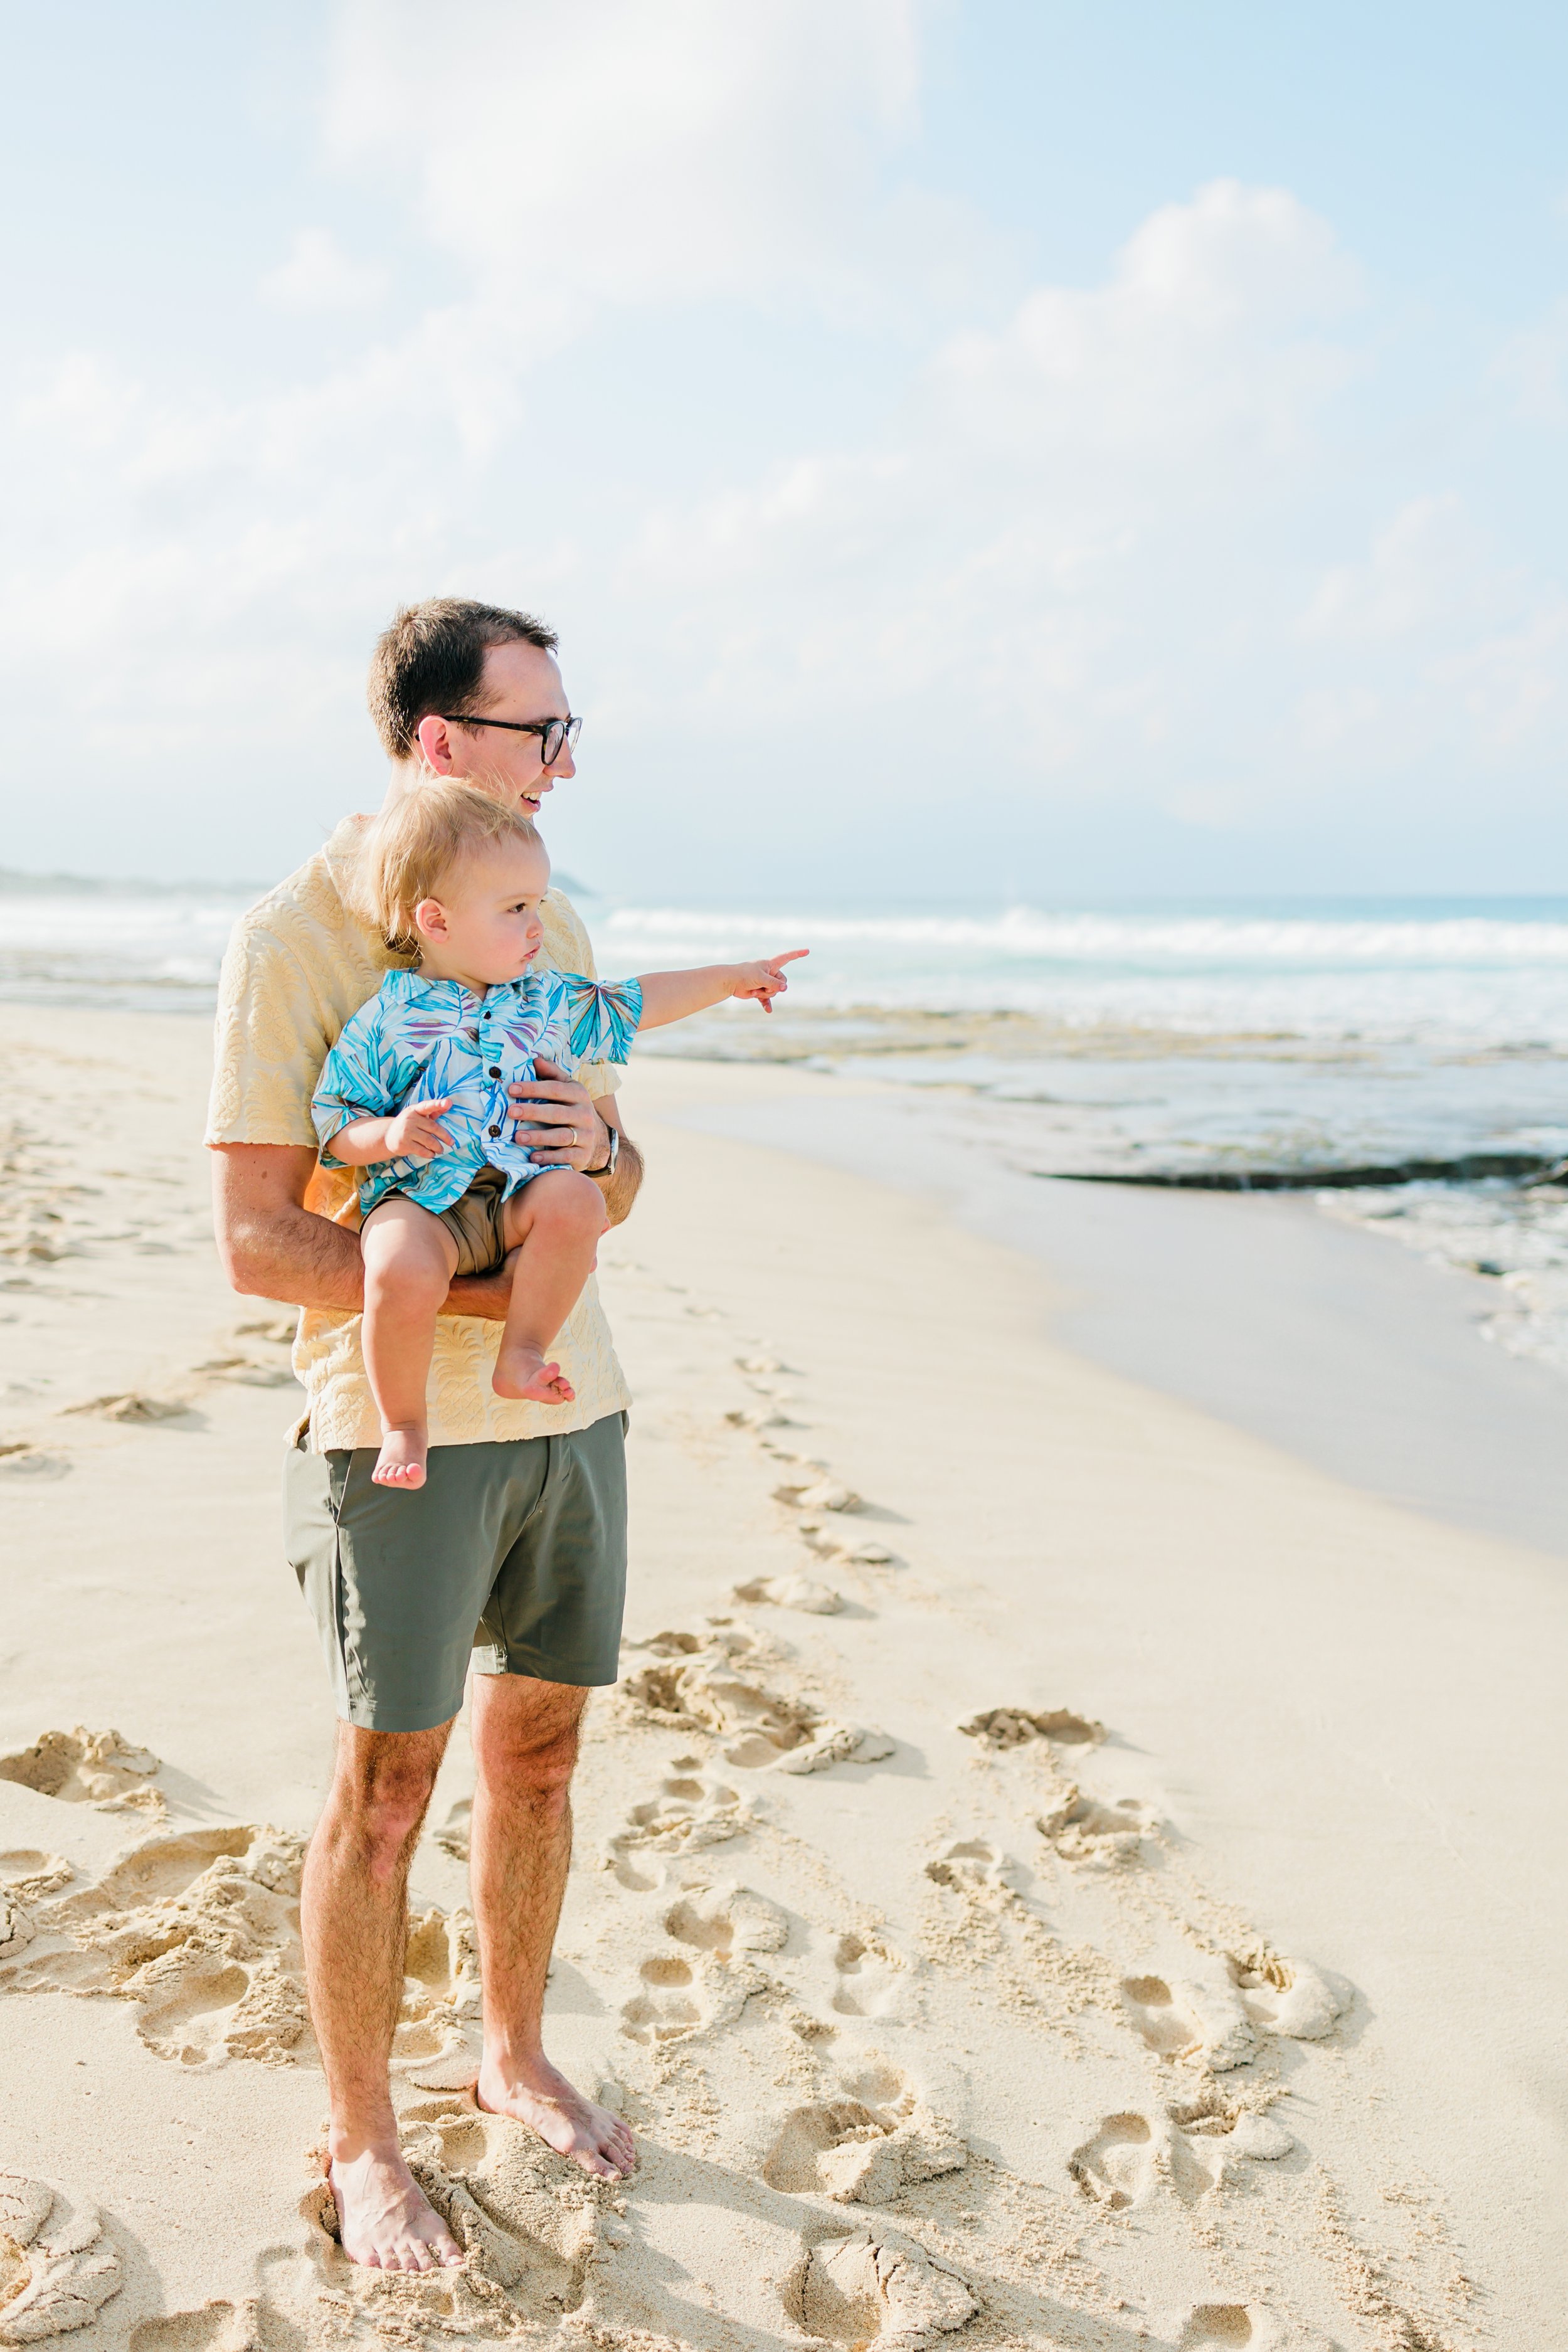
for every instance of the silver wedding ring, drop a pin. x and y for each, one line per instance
(573, 1138)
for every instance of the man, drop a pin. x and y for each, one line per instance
(521, 1529)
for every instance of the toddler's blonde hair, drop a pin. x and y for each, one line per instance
(413, 845)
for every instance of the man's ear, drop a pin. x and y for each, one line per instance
(434, 741)
(430, 919)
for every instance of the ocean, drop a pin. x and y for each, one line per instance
(1405, 1060)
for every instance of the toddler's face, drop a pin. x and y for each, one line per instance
(485, 925)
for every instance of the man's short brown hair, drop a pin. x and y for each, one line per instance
(432, 658)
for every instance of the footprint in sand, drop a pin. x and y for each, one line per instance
(843, 1544)
(246, 1371)
(727, 1919)
(27, 1874)
(84, 1768)
(1288, 1997)
(817, 1493)
(865, 2145)
(802, 1592)
(867, 1974)
(705, 1977)
(22, 1461)
(1219, 2326)
(971, 1866)
(693, 1809)
(1117, 2165)
(763, 1416)
(1190, 2021)
(875, 2287)
(56, 2267)
(667, 2008)
(1189, 2150)
(437, 2041)
(131, 1405)
(1012, 1727)
(1082, 1829)
(758, 1729)
(199, 1931)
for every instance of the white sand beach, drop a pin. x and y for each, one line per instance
(1063, 1867)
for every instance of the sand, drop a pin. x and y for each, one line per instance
(1060, 1868)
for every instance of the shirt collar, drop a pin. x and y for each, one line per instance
(424, 988)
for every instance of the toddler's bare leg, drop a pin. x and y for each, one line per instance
(557, 1218)
(409, 1259)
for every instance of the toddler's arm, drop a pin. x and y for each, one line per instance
(675, 995)
(414, 1133)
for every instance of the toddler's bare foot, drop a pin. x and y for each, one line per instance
(401, 1462)
(521, 1371)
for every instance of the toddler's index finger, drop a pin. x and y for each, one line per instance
(792, 955)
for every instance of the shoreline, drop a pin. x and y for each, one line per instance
(1329, 1723)
(1330, 1341)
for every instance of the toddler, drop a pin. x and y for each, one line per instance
(414, 1093)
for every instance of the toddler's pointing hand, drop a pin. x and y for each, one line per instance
(764, 981)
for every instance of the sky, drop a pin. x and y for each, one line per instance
(997, 448)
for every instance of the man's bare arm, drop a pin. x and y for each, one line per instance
(621, 1185)
(272, 1246)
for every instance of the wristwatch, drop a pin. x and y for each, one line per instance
(609, 1167)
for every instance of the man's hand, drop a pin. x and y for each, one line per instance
(557, 1122)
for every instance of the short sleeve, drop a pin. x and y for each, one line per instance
(270, 1042)
(570, 949)
(353, 1083)
(601, 1018)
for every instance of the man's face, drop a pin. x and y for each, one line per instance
(522, 682)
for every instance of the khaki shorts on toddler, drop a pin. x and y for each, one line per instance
(476, 1221)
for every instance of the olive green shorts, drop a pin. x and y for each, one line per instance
(510, 1558)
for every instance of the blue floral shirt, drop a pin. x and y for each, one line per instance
(419, 1037)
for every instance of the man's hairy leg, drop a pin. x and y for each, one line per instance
(354, 1916)
(524, 1736)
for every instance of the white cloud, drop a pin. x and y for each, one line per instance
(1069, 511)
(319, 275)
(616, 153)
(1424, 566)
(1127, 541)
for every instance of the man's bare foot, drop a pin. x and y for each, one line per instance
(384, 2218)
(401, 1462)
(539, 2095)
(521, 1371)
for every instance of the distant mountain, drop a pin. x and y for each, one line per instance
(15, 884)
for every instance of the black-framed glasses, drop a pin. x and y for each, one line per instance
(555, 735)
